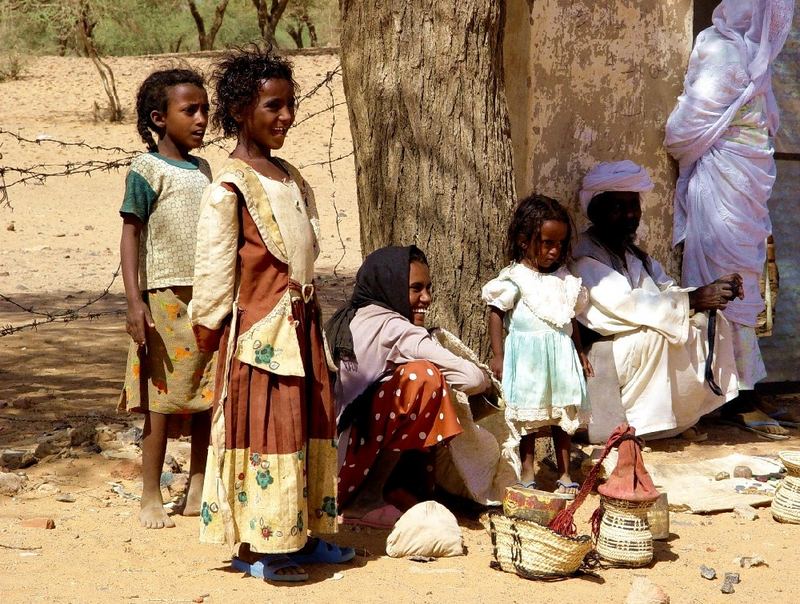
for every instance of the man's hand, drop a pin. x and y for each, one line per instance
(716, 295)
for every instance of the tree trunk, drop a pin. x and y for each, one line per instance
(206, 39)
(268, 17)
(85, 29)
(424, 87)
(296, 34)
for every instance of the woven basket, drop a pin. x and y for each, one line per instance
(790, 461)
(625, 538)
(786, 503)
(484, 404)
(533, 551)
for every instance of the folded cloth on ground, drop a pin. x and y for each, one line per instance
(427, 529)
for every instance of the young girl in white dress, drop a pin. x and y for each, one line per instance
(541, 364)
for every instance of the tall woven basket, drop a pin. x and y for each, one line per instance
(533, 551)
(625, 538)
(786, 503)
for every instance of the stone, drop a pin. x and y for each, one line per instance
(750, 561)
(742, 472)
(746, 512)
(732, 578)
(708, 573)
(48, 447)
(721, 476)
(644, 591)
(171, 464)
(727, 587)
(11, 484)
(65, 498)
(179, 484)
(133, 435)
(85, 434)
(13, 459)
(40, 522)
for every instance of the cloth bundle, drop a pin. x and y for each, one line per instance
(427, 529)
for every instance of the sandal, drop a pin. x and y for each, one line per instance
(693, 435)
(753, 421)
(324, 553)
(567, 488)
(268, 568)
(525, 485)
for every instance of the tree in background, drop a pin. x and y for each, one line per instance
(269, 14)
(424, 87)
(298, 19)
(206, 38)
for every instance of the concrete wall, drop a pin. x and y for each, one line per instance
(590, 81)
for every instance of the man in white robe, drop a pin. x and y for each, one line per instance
(659, 336)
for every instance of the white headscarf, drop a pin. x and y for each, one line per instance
(614, 176)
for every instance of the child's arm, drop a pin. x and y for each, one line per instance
(138, 318)
(496, 317)
(588, 371)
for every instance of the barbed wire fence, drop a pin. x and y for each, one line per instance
(40, 173)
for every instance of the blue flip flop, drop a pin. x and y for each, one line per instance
(560, 484)
(267, 568)
(324, 553)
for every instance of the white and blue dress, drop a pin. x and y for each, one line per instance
(543, 379)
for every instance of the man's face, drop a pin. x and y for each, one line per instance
(618, 215)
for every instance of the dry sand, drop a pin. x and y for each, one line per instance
(62, 251)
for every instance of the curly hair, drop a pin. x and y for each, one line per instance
(238, 77)
(153, 95)
(526, 224)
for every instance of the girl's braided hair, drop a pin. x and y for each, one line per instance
(526, 224)
(238, 77)
(153, 95)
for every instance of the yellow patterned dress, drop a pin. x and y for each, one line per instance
(271, 474)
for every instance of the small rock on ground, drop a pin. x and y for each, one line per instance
(732, 578)
(727, 587)
(644, 591)
(40, 522)
(746, 512)
(11, 484)
(708, 573)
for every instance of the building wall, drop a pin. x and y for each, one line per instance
(591, 81)
(781, 351)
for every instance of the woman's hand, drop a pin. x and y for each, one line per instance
(496, 365)
(717, 294)
(588, 370)
(138, 320)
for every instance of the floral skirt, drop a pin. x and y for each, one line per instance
(169, 375)
(411, 411)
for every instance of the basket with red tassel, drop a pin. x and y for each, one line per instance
(620, 524)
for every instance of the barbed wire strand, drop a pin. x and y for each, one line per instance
(39, 173)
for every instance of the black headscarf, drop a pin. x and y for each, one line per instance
(382, 280)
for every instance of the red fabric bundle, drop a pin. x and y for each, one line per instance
(630, 480)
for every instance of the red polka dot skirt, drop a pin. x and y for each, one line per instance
(411, 411)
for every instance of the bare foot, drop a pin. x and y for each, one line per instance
(154, 516)
(194, 497)
(760, 422)
(566, 486)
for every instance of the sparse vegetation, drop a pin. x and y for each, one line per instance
(12, 66)
(137, 27)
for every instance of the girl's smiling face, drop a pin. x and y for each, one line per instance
(270, 117)
(545, 252)
(419, 292)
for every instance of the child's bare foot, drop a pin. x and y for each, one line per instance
(194, 497)
(154, 516)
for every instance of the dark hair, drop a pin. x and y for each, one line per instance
(526, 224)
(417, 255)
(153, 95)
(238, 77)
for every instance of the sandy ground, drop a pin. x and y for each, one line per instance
(58, 250)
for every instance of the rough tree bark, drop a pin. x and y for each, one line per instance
(206, 39)
(424, 87)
